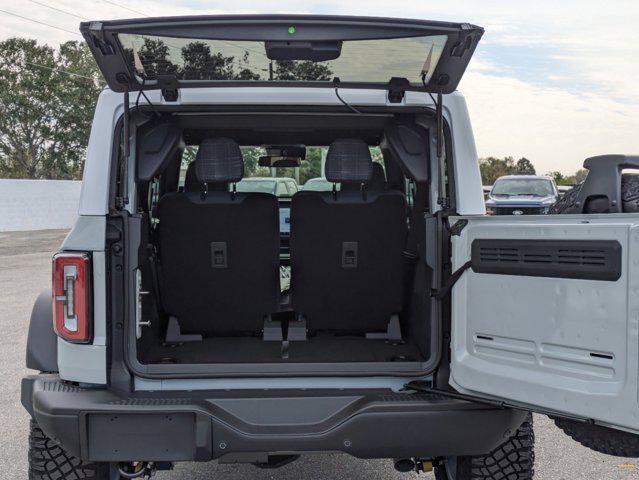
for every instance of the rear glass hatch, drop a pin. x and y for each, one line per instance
(281, 50)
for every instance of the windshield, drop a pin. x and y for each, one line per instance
(259, 186)
(359, 61)
(318, 185)
(537, 187)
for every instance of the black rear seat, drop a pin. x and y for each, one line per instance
(347, 247)
(219, 250)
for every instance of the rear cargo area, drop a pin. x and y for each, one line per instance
(231, 272)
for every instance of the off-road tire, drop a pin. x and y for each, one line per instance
(601, 439)
(629, 197)
(49, 461)
(512, 460)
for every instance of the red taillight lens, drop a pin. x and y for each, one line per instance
(72, 297)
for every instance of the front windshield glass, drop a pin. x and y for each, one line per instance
(259, 186)
(319, 185)
(537, 187)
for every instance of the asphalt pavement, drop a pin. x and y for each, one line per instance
(25, 270)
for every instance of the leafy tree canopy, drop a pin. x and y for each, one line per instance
(561, 179)
(492, 168)
(46, 113)
(47, 100)
(302, 70)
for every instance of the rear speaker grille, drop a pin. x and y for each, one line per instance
(563, 256)
(582, 257)
(489, 254)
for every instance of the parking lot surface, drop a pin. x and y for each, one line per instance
(25, 263)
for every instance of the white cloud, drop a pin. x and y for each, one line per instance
(555, 129)
(547, 119)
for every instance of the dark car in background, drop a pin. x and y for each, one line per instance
(522, 195)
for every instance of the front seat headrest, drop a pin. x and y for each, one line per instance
(348, 161)
(219, 160)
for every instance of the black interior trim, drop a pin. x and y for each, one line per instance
(576, 259)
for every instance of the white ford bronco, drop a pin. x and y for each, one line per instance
(411, 326)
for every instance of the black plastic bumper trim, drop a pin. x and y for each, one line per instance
(99, 425)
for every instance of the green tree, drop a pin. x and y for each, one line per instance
(189, 155)
(302, 70)
(524, 167)
(77, 97)
(47, 99)
(492, 168)
(251, 166)
(569, 180)
(155, 58)
(201, 64)
(559, 178)
(312, 165)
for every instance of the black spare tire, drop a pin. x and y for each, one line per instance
(601, 439)
(629, 198)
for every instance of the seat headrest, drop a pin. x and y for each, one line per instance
(219, 160)
(348, 161)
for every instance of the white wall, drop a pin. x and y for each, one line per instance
(38, 204)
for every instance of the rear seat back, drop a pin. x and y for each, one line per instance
(219, 250)
(347, 248)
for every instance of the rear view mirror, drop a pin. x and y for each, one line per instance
(315, 51)
(298, 151)
(279, 162)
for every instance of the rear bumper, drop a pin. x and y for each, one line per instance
(99, 425)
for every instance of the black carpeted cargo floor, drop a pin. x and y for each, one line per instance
(317, 349)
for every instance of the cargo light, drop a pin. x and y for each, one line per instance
(72, 296)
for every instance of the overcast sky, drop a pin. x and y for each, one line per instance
(555, 81)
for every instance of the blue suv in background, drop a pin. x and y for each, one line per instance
(522, 195)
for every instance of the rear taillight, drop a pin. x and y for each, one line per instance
(72, 297)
